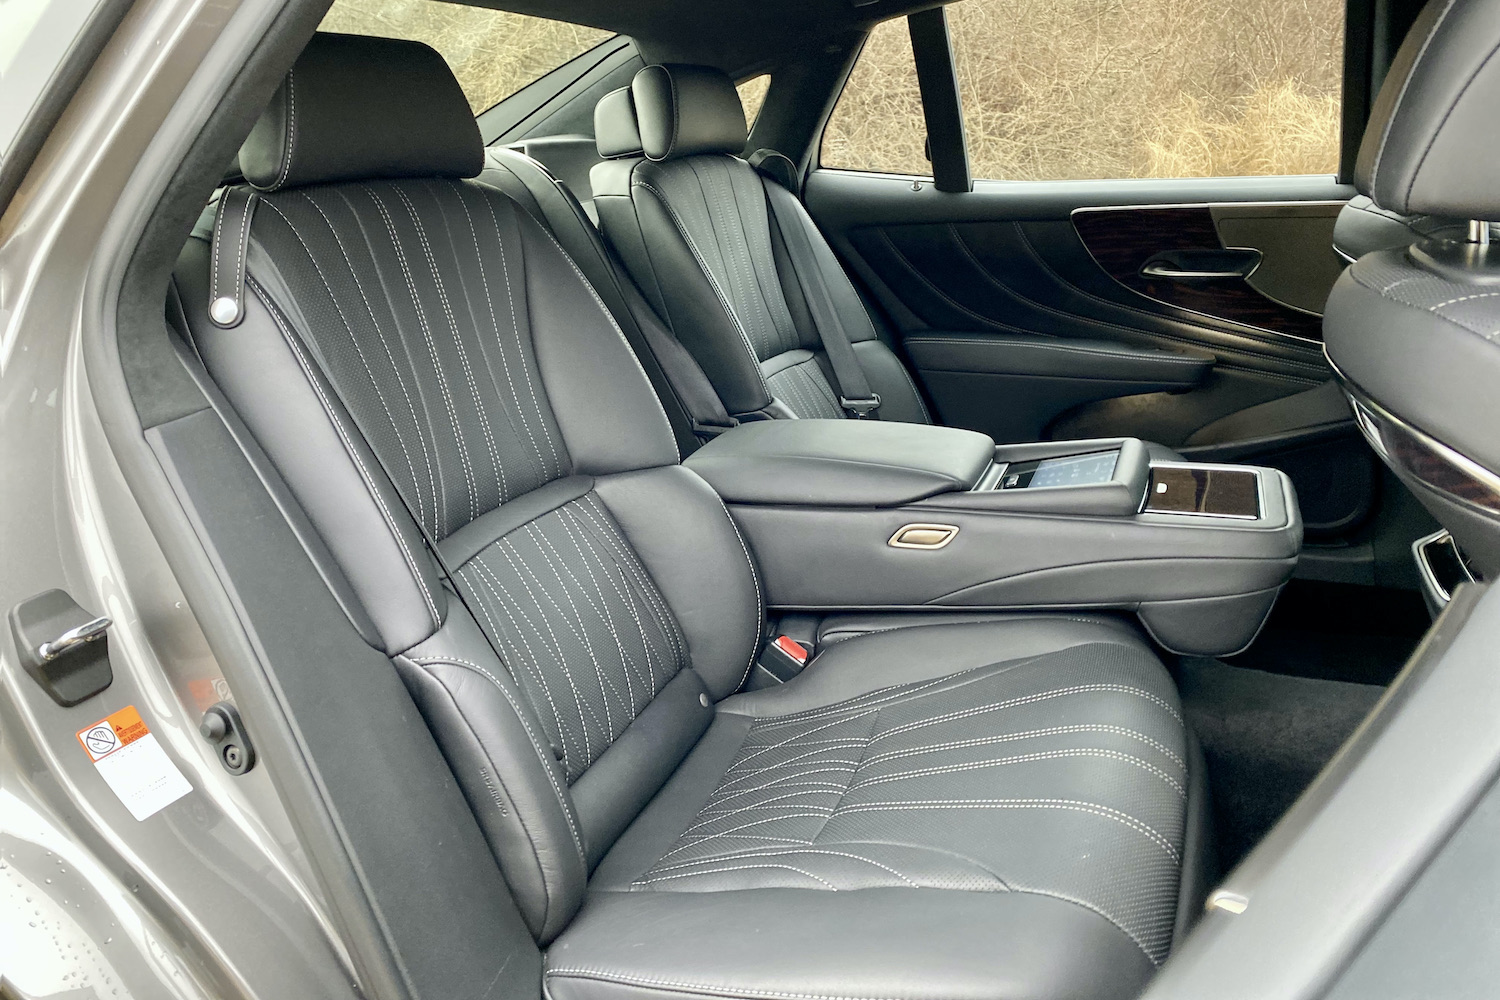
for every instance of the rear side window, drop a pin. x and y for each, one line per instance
(877, 123)
(1076, 89)
(752, 95)
(493, 53)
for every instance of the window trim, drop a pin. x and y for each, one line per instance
(67, 76)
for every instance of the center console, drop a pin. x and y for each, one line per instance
(865, 515)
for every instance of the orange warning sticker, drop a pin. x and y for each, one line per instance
(113, 733)
(132, 763)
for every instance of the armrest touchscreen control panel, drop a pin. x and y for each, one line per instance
(1071, 470)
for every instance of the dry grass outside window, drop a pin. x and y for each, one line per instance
(493, 53)
(1078, 89)
(752, 95)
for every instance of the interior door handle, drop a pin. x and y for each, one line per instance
(1202, 265)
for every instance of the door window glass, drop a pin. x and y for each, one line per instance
(1083, 89)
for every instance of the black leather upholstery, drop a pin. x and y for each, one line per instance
(697, 235)
(999, 805)
(361, 108)
(687, 111)
(842, 462)
(836, 809)
(615, 130)
(1431, 140)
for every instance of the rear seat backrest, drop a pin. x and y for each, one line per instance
(398, 317)
(691, 221)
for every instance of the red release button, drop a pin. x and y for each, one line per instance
(791, 647)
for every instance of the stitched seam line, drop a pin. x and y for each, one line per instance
(712, 990)
(1390, 121)
(213, 292)
(1446, 115)
(353, 453)
(291, 128)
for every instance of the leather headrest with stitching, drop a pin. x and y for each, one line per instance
(616, 133)
(355, 107)
(1432, 144)
(687, 111)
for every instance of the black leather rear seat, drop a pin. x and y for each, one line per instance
(731, 260)
(986, 809)
(693, 224)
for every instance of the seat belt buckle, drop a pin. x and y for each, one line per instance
(782, 659)
(792, 649)
(861, 408)
(707, 430)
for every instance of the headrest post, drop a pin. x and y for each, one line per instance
(1479, 232)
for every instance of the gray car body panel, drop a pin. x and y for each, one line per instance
(212, 896)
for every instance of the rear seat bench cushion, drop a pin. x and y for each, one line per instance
(985, 809)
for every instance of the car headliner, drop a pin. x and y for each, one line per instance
(738, 36)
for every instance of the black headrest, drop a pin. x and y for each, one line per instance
(354, 107)
(1433, 141)
(616, 133)
(687, 110)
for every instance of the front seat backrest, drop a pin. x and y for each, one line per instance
(694, 226)
(1413, 331)
(417, 357)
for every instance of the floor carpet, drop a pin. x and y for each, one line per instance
(1265, 736)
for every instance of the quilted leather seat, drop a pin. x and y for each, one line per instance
(692, 223)
(999, 808)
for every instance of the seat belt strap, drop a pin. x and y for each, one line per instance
(855, 394)
(688, 382)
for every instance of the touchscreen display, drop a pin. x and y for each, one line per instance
(1075, 470)
(1071, 470)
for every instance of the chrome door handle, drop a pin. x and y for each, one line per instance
(1224, 264)
(1159, 270)
(76, 636)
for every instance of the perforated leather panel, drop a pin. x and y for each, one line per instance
(1061, 775)
(412, 294)
(580, 623)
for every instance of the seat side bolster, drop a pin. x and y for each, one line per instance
(683, 534)
(609, 415)
(618, 225)
(500, 756)
(309, 436)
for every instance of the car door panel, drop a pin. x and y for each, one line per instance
(974, 283)
(1036, 377)
(1127, 242)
